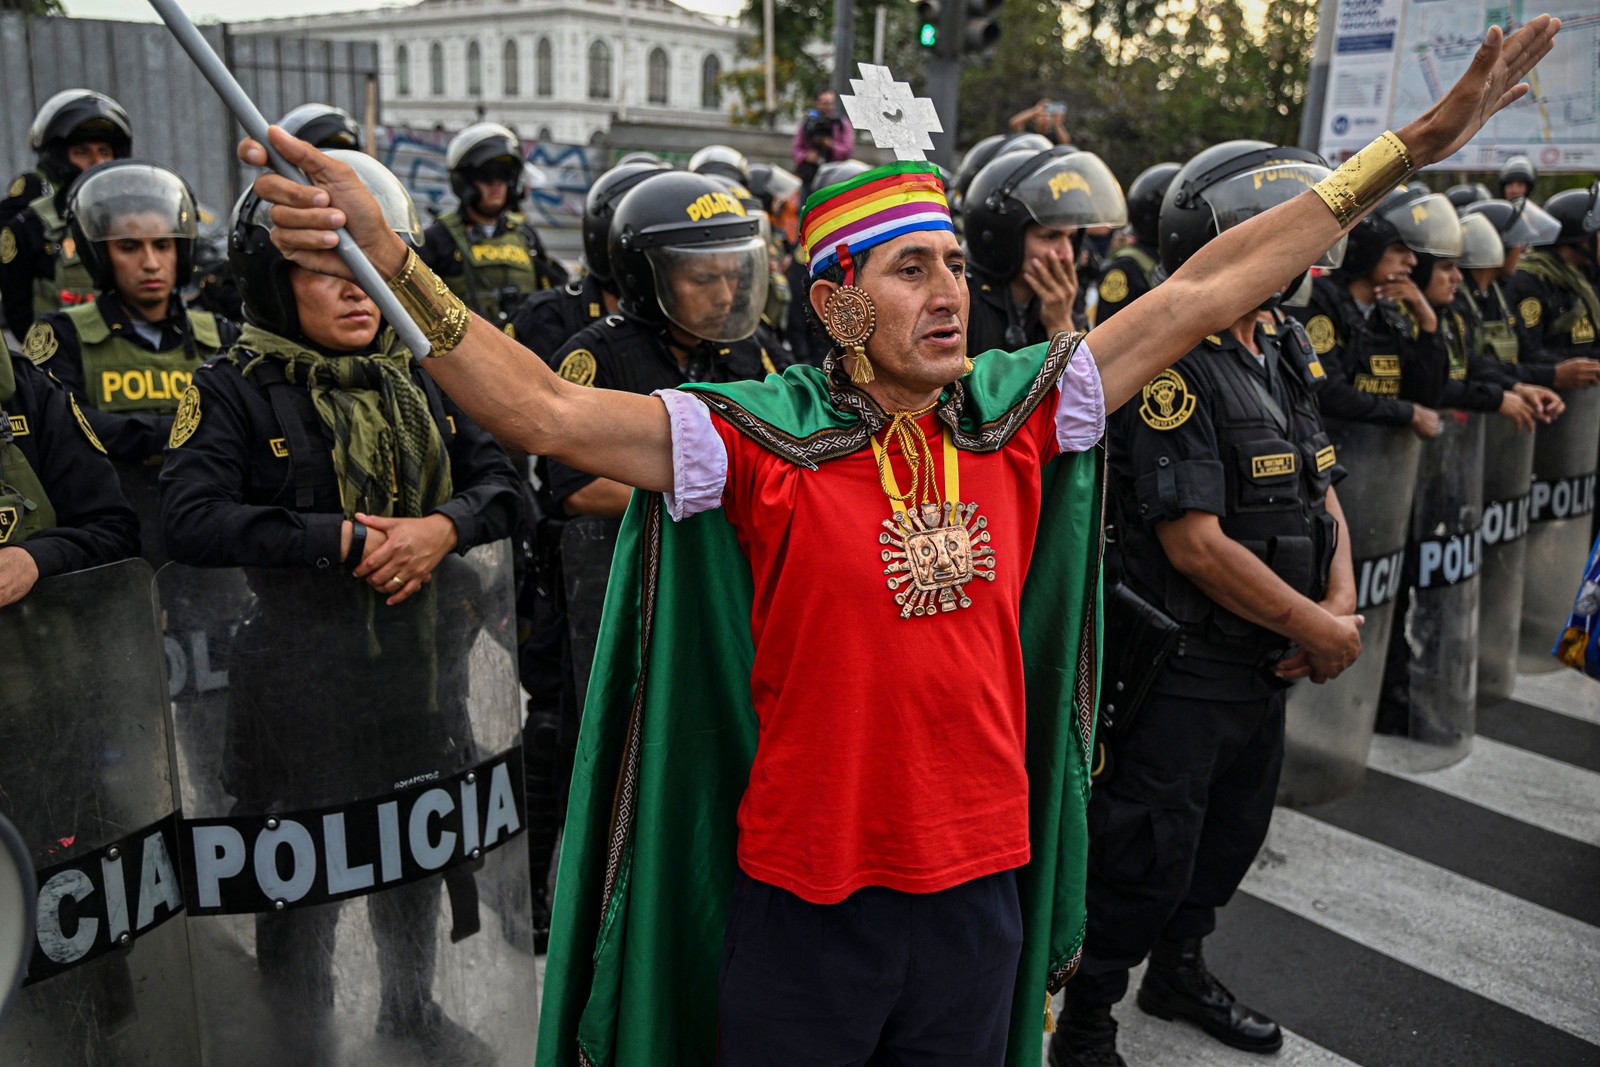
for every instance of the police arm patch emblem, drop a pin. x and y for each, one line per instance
(1320, 332)
(1114, 286)
(83, 424)
(579, 367)
(8, 522)
(18, 187)
(1167, 401)
(8, 245)
(41, 343)
(1530, 309)
(187, 421)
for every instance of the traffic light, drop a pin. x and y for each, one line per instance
(982, 30)
(928, 14)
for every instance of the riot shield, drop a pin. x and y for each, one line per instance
(86, 776)
(1558, 523)
(17, 891)
(1328, 730)
(140, 484)
(1442, 625)
(1507, 482)
(587, 545)
(352, 854)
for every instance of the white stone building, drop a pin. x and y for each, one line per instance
(554, 70)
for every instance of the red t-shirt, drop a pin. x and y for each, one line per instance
(891, 750)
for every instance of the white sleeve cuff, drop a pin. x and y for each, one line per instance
(1081, 403)
(699, 458)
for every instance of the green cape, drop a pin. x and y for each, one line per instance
(647, 855)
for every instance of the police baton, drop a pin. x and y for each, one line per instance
(255, 124)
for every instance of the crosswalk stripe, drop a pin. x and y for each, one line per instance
(1528, 958)
(1564, 691)
(1543, 792)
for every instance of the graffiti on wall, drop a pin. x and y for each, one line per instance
(559, 175)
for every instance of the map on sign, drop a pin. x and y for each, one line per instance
(1393, 59)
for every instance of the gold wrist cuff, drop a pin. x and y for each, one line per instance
(1365, 178)
(438, 313)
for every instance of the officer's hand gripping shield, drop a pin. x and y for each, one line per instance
(86, 776)
(352, 781)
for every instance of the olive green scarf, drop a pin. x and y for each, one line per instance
(388, 454)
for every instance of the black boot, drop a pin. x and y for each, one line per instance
(1177, 986)
(1086, 1037)
(428, 1029)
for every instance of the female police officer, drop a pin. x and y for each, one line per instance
(317, 440)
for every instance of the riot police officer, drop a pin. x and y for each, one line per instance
(1554, 288)
(324, 126)
(1517, 178)
(487, 251)
(129, 354)
(720, 160)
(60, 507)
(318, 446)
(1228, 525)
(39, 267)
(1130, 272)
(1022, 213)
(985, 152)
(548, 319)
(1366, 322)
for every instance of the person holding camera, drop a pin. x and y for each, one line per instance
(1047, 118)
(824, 136)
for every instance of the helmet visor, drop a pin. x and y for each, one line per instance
(398, 209)
(714, 292)
(1427, 225)
(1531, 226)
(1591, 221)
(1244, 196)
(135, 202)
(1481, 247)
(1072, 191)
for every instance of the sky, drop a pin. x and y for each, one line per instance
(240, 10)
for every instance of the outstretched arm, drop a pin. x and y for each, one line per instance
(1245, 265)
(504, 387)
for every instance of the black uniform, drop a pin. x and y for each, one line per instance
(234, 493)
(93, 523)
(1497, 332)
(1557, 308)
(1476, 381)
(1377, 367)
(24, 189)
(995, 322)
(508, 261)
(1175, 825)
(548, 319)
(620, 353)
(1129, 274)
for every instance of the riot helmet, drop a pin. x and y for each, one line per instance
(1145, 195)
(1060, 188)
(1518, 169)
(1423, 221)
(131, 198)
(323, 126)
(1578, 212)
(640, 157)
(1520, 223)
(984, 152)
(73, 117)
(485, 151)
(1468, 193)
(720, 159)
(1481, 246)
(834, 173)
(261, 271)
(601, 204)
(773, 184)
(684, 250)
(1227, 184)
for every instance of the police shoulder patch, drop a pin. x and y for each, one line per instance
(19, 186)
(83, 424)
(187, 421)
(1114, 286)
(8, 245)
(579, 367)
(40, 343)
(511, 331)
(1320, 331)
(1167, 402)
(1530, 309)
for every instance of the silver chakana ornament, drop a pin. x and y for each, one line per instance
(850, 316)
(886, 109)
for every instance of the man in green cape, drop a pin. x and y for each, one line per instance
(727, 634)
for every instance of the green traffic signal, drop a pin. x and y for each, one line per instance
(929, 35)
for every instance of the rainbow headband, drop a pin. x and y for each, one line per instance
(878, 206)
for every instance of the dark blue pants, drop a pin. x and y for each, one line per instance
(903, 979)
